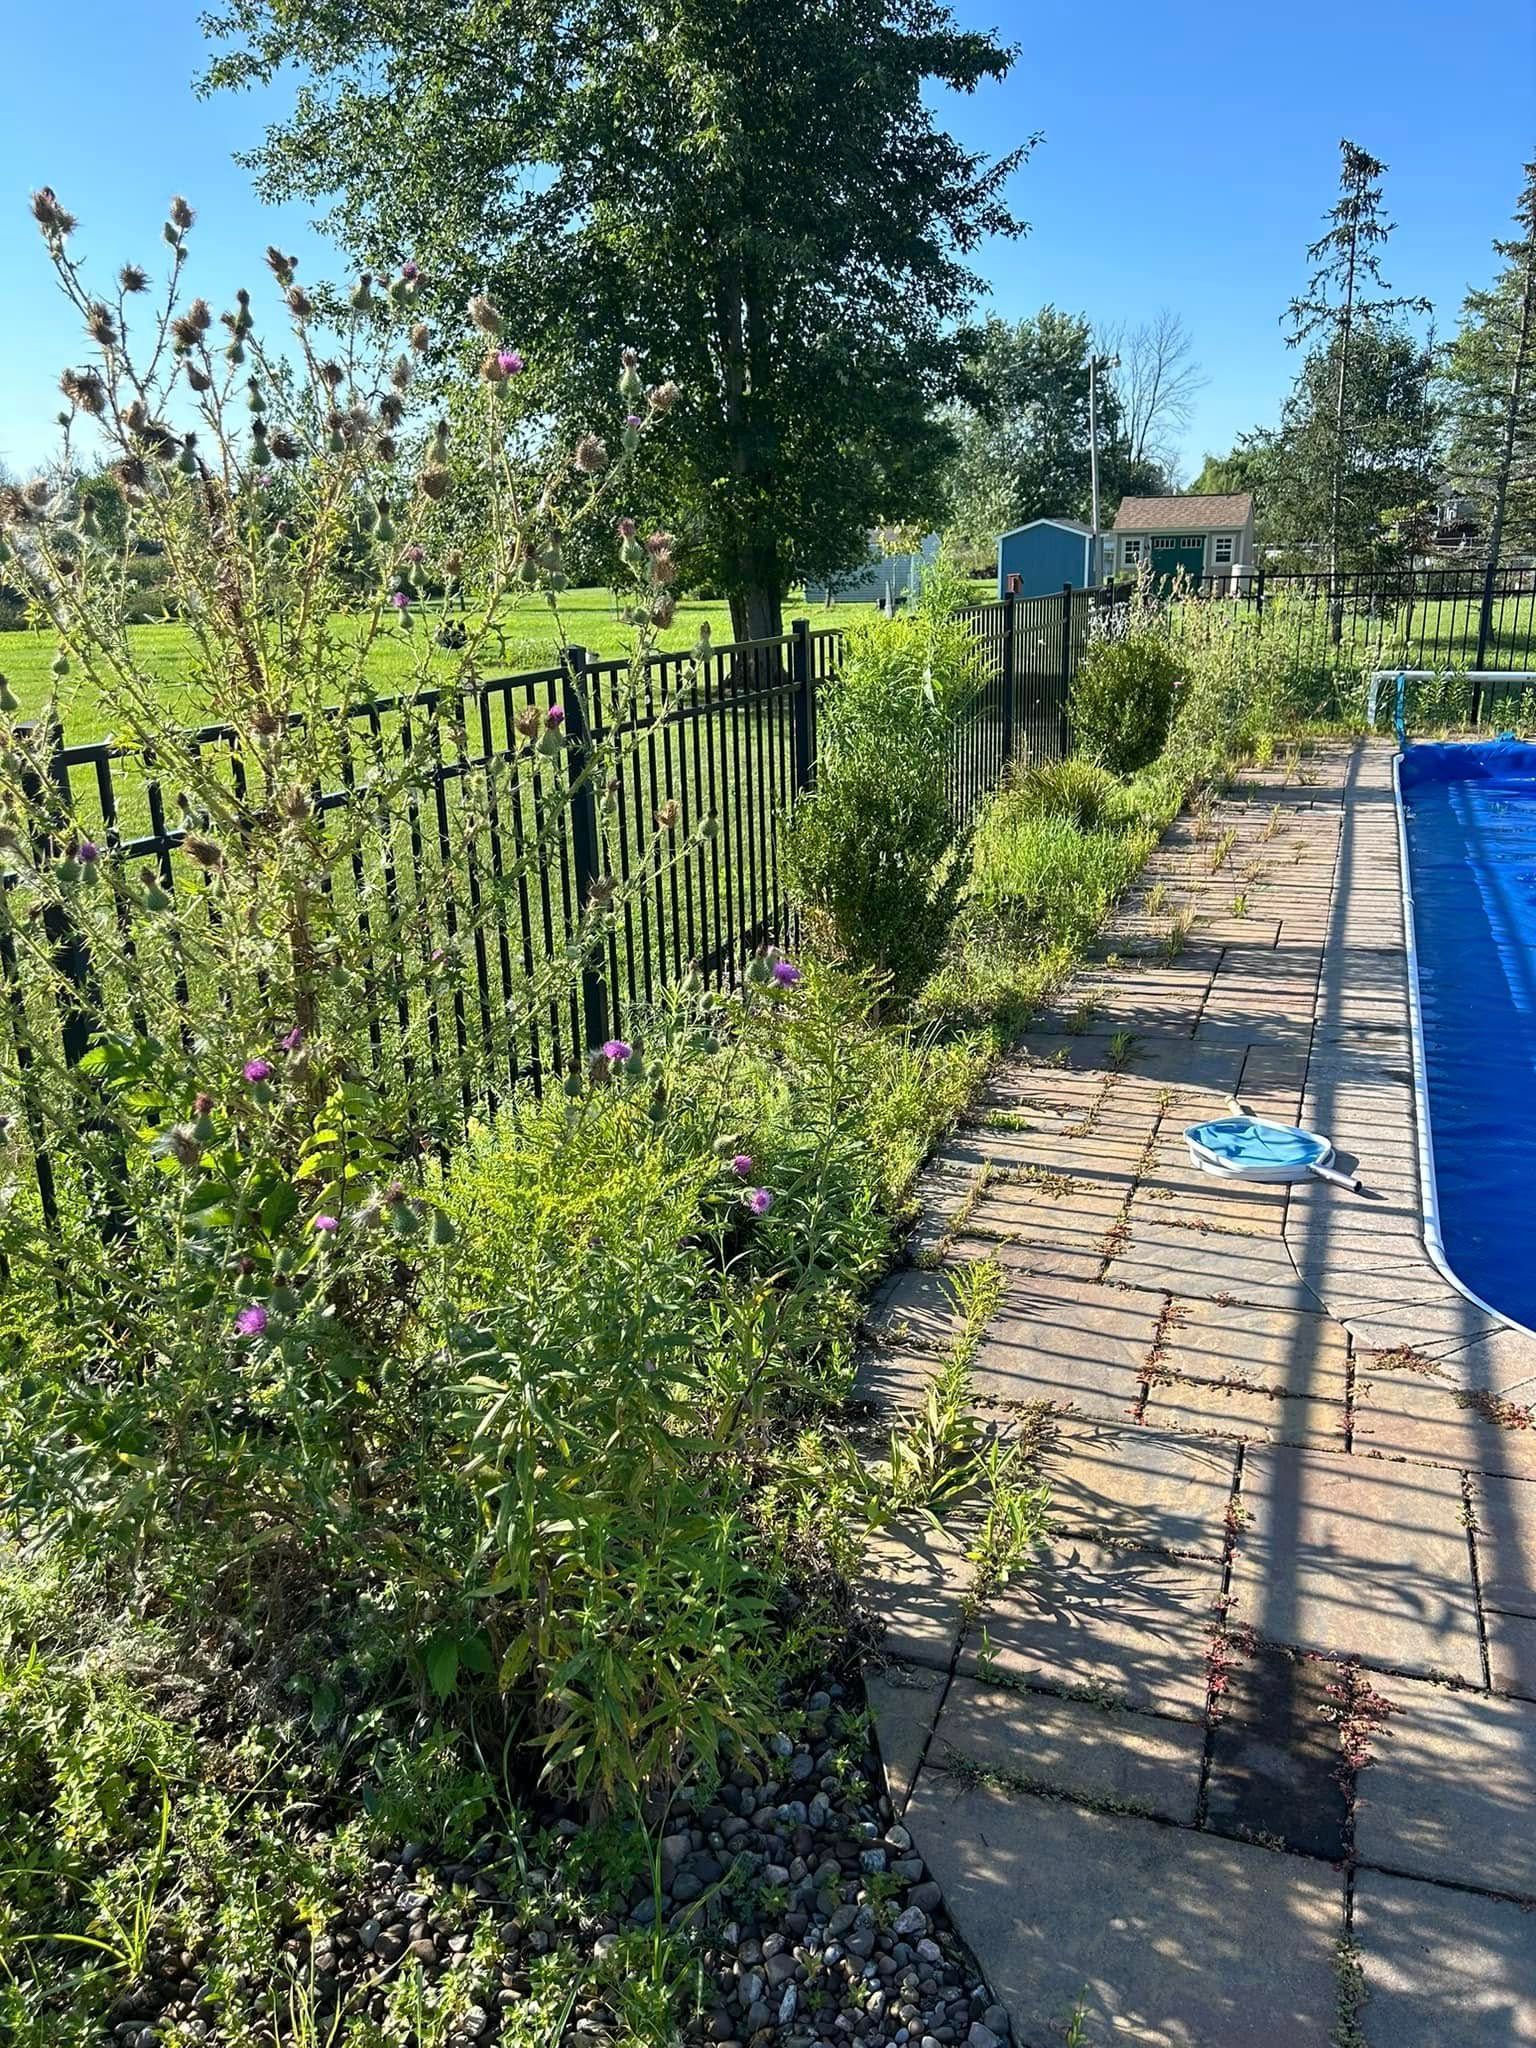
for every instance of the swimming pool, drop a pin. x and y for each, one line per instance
(1468, 819)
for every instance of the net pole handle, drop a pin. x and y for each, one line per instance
(1349, 1181)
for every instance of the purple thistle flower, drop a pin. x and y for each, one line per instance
(292, 1040)
(511, 362)
(416, 552)
(399, 600)
(326, 1225)
(785, 973)
(257, 1070)
(759, 1200)
(251, 1321)
(555, 715)
(618, 1050)
(742, 1164)
(87, 851)
(633, 419)
(409, 272)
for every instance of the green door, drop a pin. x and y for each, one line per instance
(1172, 553)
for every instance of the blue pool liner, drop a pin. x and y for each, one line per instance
(1468, 820)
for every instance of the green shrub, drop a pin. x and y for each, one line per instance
(1122, 698)
(874, 856)
(1075, 789)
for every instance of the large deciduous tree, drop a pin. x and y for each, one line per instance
(1337, 301)
(1490, 379)
(754, 192)
(1022, 434)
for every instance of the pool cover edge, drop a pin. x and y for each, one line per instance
(1429, 1200)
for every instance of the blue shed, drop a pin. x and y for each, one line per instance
(1044, 555)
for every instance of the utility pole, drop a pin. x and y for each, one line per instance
(1110, 363)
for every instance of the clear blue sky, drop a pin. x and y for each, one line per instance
(1188, 155)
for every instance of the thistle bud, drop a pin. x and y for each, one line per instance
(281, 266)
(360, 298)
(8, 698)
(400, 373)
(437, 454)
(668, 815)
(485, 314)
(52, 218)
(434, 483)
(300, 304)
(421, 337)
(182, 215)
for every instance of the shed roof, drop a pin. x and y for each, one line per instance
(1166, 515)
(1072, 526)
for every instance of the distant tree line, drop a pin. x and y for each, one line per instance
(1383, 424)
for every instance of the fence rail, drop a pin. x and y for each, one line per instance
(1438, 618)
(454, 921)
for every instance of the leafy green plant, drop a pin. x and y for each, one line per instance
(1122, 698)
(874, 855)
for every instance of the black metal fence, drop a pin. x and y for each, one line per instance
(1436, 618)
(455, 922)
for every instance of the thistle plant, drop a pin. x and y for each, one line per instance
(310, 858)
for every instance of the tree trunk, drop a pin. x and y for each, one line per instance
(757, 612)
(1336, 482)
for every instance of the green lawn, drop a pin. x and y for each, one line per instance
(530, 643)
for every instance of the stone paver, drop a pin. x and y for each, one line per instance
(1506, 1553)
(1285, 1616)
(904, 1700)
(916, 1578)
(1151, 1934)
(1275, 1755)
(1073, 1344)
(1358, 1559)
(1451, 1792)
(1443, 1968)
(1274, 1351)
(1244, 1412)
(1134, 1763)
(1137, 1487)
(1124, 1626)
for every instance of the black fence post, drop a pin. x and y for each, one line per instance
(585, 864)
(1258, 596)
(1484, 618)
(79, 1020)
(1010, 678)
(1064, 734)
(802, 705)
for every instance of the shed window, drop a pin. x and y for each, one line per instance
(1223, 548)
(1132, 552)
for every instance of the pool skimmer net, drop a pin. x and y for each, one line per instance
(1244, 1147)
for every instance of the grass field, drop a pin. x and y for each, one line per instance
(529, 642)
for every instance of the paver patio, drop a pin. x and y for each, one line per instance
(1248, 1755)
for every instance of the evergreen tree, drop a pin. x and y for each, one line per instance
(1491, 385)
(1337, 300)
